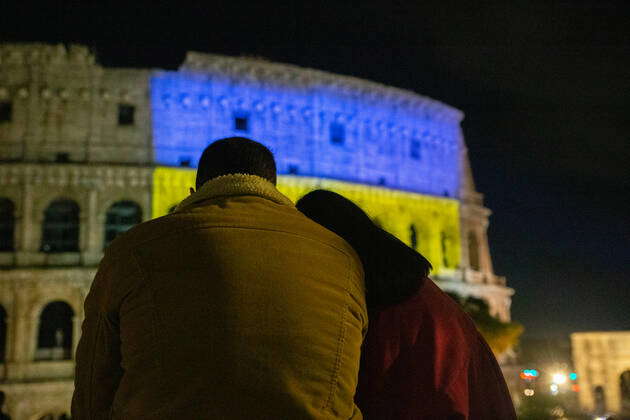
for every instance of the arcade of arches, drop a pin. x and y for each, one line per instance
(61, 224)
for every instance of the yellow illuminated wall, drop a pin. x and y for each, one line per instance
(435, 219)
(170, 186)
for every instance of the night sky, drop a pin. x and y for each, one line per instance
(545, 86)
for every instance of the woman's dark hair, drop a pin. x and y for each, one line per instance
(393, 271)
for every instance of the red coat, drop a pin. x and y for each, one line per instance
(424, 359)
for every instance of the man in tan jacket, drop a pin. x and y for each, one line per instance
(235, 306)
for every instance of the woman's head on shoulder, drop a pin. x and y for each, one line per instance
(393, 271)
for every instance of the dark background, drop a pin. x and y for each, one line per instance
(545, 86)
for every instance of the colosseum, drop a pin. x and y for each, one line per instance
(86, 152)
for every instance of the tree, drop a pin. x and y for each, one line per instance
(500, 335)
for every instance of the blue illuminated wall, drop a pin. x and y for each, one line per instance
(313, 130)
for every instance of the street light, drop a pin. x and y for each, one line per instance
(559, 378)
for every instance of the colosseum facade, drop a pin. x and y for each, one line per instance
(87, 152)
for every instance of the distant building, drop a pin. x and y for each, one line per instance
(86, 152)
(602, 361)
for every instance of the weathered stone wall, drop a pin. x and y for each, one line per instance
(95, 187)
(64, 107)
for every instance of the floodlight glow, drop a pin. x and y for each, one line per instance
(529, 392)
(553, 388)
(314, 131)
(559, 378)
(396, 211)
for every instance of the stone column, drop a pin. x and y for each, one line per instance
(31, 223)
(147, 208)
(20, 349)
(77, 321)
(94, 227)
(97, 111)
(33, 127)
(485, 262)
(464, 257)
(8, 344)
(613, 394)
(28, 222)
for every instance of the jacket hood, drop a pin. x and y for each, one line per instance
(235, 184)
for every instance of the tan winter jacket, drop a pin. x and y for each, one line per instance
(236, 306)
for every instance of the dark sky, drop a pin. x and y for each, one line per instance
(545, 86)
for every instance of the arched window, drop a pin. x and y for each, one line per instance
(52, 416)
(7, 225)
(445, 241)
(624, 387)
(599, 400)
(121, 216)
(54, 339)
(473, 251)
(61, 227)
(413, 236)
(3, 334)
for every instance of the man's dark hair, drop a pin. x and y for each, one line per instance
(235, 155)
(393, 271)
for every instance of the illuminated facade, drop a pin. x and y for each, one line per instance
(437, 240)
(87, 151)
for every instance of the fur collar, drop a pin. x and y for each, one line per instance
(235, 184)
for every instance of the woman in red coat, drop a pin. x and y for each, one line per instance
(422, 357)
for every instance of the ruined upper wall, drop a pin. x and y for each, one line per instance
(317, 124)
(57, 104)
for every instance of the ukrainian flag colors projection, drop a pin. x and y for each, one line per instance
(427, 223)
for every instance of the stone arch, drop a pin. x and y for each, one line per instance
(413, 236)
(446, 242)
(38, 214)
(121, 216)
(473, 251)
(423, 235)
(624, 391)
(61, 227)
(599, 399)
(3, 334)
(52, 414)
(7, 225)
(71, 296)
(49, 196)
(105, 205)
(55, 331)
